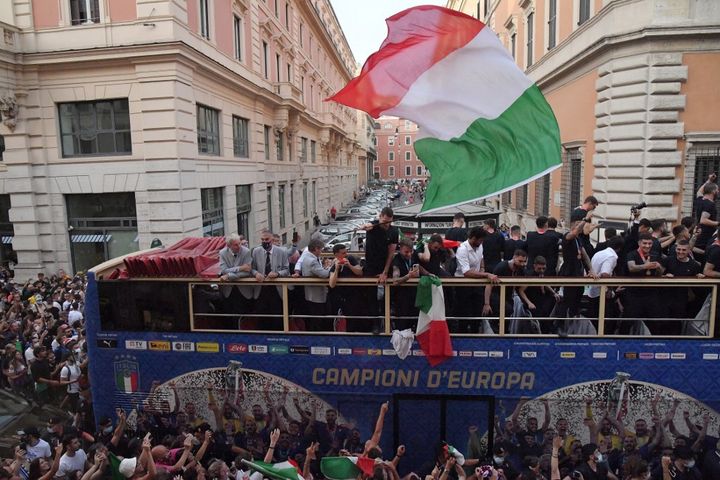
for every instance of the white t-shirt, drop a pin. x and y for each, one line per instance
(74, 316)
(603, 261)
(29, 355)
(41, 450)
(71, 464)
(71, 372)
(468, 258)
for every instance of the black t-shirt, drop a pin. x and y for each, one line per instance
(493, 246)
(634, 256)
(588, 474)
(40, 369)
(690, 268)
(512, 245)
(346, 272)
(704, 205)
(456, 233)
(544, 244)
(572, 262)
(503, 269)
(712, 255)
(404, 265)
(376, 247)
(434, 266)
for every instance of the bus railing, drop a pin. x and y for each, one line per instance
(500, 319)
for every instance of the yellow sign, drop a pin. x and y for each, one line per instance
(207, 347)
(374, 351)
(159, 345)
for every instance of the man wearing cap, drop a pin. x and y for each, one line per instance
(36, 447)
(139, 468)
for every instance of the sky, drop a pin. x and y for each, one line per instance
(363, 21)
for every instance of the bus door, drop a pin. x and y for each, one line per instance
(420, 422)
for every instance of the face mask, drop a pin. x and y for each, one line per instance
(598, 457)
(498, 460)
(108, 429)
(690, 464)
(266, 245)
(50, 430)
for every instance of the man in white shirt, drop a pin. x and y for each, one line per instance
(73, 460)
(36, 447)
(74, 315)
(603, 265)
(469, 300)
(71, 372)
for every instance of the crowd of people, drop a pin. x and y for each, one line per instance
(647, 249)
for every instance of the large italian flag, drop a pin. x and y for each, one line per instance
(432, 330)
(277, 471)
(484, 126)
(346, 468)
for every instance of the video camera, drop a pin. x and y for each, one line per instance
(638, 207)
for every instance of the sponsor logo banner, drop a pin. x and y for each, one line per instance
(418, 353)
(600, 355)
(646, 355)
(236, 348)
(465, 353)
(630, 355)
(480, 353)
(183, 346)
(207, 347)
(320, 351)
(710, 356)
(136, 344)
(529, 354)
(567, 354)
(677, 356)
(258, 348)
(388, 352)
(160, 345)
(344, 351)
(496, 354)
(359, 351)
(662, 356)
(278, 349)
(374, 351)
(301, 349)
(107, 343)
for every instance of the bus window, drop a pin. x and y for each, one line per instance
(138, 305)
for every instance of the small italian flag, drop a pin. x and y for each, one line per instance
(346, 468)
(432, 330)
(485, 127)
(279, 471)
(127, 381)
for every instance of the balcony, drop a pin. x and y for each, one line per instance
(333, 120)
(288, 92)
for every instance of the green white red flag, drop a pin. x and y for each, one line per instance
(432, 331)
(485, 127)
(346, 468)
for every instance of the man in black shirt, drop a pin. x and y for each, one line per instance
(592, 468)
(675, 299)
(433, 256)
(515, 242)
(552, 260)
(542, 298)
(641, 302)
(458, 232)
(585, 211)
(705, 211)
(575, 262)
(507, 268)
(545, 244)
(712, 270)
(380, 245)
(342, 298)
(493, 245)
(404, 267)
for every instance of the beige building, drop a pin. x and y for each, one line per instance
(130, 120)
(633, 84)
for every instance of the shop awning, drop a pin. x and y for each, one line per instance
(90, 238)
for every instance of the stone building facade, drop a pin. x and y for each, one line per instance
(130, 120)
(632, 85)
(396, 158)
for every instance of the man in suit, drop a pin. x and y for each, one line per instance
(235, 263)
(269, 262)
(316, 295)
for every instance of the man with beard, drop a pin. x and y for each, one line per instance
(330, 435)
(541, 298)
(250, 441)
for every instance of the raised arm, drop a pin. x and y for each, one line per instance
(555, 458)
(310, 455)
(516, 413)
(274, 436)
(375, 439)
(119, 429)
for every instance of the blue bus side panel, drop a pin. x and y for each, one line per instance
(357, 373)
